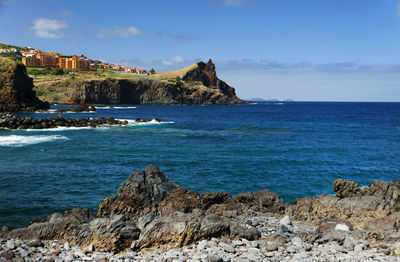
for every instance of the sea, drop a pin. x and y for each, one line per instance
(295, 149)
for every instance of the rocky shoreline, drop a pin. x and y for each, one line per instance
(10, 121)
(152, 219)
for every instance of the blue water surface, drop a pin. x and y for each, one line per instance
(295, 149)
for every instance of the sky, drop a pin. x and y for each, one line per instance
(306, 50)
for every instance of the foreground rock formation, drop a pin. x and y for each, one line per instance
(374, 208)
(195, 85)
(149, 211)
(16, 94)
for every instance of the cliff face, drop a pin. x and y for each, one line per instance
(149, 91)
(207, 74)
(196, 85)
(16, 92)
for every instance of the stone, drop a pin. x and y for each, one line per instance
(10, 244)
(229, 248)
(67, 246)
(358, 248)
(285, 221)
(271, 247)
(342, 227)
(297, 241)
(35, 243)
(236, 243)
(282, 229)
(349, 243)
(214, 258)
(23, 253)
(202, 245)
(300, 256)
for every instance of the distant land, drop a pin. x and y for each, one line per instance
(258, 99)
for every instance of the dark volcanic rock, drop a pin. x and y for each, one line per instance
(16, 94)
(152, 211)
(77, 109)
(12, 121)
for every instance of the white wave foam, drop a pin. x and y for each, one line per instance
(152, 122)
(15, 140)
(53, 111)
(59, 128)
(124, 107)
(116, 107)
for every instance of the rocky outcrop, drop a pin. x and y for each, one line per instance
(150, 211)
(16, 92)
(77, 109)
(11, 121)
(206, 74)
(373, 208)
(197, 86)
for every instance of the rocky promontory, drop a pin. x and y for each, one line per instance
(16, 88)
(194, 85)
(152, 218)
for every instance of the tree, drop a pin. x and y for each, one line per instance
(152, 71)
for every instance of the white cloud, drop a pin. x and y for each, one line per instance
(118, 31)
(48, 28)
(235, 2)
(4, 2)
(173, 60)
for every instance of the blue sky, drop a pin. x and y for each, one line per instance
(322, 50)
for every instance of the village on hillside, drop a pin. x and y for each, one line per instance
(33, 57)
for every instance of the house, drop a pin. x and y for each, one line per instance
(74, 63)
(31, 61)
(48, 60)
(28, 54)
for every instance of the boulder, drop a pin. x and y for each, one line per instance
(327, 225)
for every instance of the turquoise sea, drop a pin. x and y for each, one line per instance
(295, 149)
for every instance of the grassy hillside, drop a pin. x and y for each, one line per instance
(6, 46)
(178, 73)
(60, 88)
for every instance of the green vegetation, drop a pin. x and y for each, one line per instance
(152, 71)
(6, 46)
(178, 81)
(45, 71)
(5, 64)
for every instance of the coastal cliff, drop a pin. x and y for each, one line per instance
(149, 211)
(195, 85)
(16, 88)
